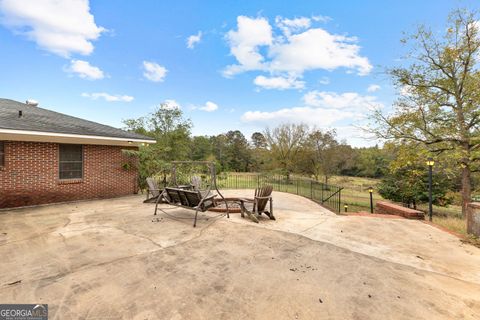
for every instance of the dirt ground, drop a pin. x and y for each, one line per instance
(110, 259)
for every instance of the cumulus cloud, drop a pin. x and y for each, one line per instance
(289, 26)
(308, 115)
(319, 108)
(373, 88)
(318, 49)
(320, 18)
(153, 71)
(171, 104)
(346, 100)
(60, 27)
(85, 70)
(244, 44)
(291, 47)
(194, 39)
(280, 83)
(208, 107)
(108, 97)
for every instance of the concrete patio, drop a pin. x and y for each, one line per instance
(110, 259)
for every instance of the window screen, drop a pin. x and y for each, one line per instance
(2, 154)
(71, 161)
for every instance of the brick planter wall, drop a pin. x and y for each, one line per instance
(383, 207)
(31, 175)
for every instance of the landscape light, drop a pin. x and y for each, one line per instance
(370, 189)
(430, 164)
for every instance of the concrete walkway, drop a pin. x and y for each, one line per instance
(109, 259)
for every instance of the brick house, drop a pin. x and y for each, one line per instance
(48, 157)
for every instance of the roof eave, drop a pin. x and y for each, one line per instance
(39, 136)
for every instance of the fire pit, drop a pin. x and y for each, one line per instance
(233, 206)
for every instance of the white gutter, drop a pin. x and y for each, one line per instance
(41, 136)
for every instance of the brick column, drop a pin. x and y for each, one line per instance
(473, 218)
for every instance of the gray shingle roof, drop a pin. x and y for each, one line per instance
(43, 120)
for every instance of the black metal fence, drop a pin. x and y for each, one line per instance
(325, 194)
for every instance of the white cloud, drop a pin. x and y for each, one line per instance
(85, 70)
(406, 91)
(60, 27)
(321, 109)
(346, 100)
(171, 104)
(297, 48)
(280, 83)
(108, 97)
(289, 26)
(209, 107)
(318, 49)
(153, 71)
(194, 39)
(308, 115)
(373, 88)
(355, 136)
(245, 42)
(320, 18)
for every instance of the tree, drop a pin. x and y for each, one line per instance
(259, 152)
(406, 180)
(259, 141)
(172, 132)
(439, 108)
(200, 148)
(371, 162)
(237, 151)
(323, 155)
(285, 142)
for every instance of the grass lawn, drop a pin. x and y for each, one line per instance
(453, 223)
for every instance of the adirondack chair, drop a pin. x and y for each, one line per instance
(261, 198)
(197, 185)
(152, 190)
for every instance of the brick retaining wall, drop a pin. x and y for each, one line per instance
(383, 207)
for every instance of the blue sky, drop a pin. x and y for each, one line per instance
(248, 65)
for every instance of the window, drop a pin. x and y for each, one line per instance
(71, 161)
(2, 154)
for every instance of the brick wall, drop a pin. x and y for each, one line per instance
(31, 177)
(382, 207)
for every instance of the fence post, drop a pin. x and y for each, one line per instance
(297, 187)
(323, 186)
(339, 199)
(258, 181)
(311, 189)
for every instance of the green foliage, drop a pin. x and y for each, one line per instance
(439, 105)
(285, 143)
(407, 178)
(172, 132)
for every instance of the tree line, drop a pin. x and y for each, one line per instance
(286, 149)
